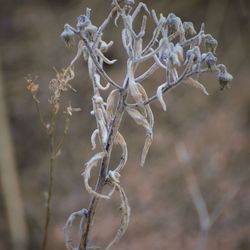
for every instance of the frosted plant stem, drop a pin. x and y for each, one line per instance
(115, 124)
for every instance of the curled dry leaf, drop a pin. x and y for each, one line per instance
(160, 96)
(150, 114)
(139, 118)
(114, 176)
(135, 93)
(111, 101)
(124, 157)
(149, 137)
(68, 241)
(104, 131)
(98, 82)
(93, 138)
(78, 54)
(104, 58)
(125, 209)
(147, 144)
(194, 83)
(133, 86)
(87, 173)
(100, 113)
(142, 121)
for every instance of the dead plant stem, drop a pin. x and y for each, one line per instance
(114, 126)
(51, 132)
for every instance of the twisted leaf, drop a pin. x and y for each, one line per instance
(194, 83)
(121, 141)
(142, 121)
(125, 208)
(87, 173)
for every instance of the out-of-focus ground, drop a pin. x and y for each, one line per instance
(214, 128)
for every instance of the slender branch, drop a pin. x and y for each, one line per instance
(147, 73)
(175, 83)
(65, 132)
(148, 56)
(51, 180)
(40, 113)
(101, 28)
(98, 66)
(155, 36)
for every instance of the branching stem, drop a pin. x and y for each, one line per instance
(114, 126)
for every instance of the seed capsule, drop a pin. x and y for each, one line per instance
(67, 34)
(82, 22)
(209, 59)
(223, 76)
(210, 43)
(189, 28)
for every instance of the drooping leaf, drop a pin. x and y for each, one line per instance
(160, 97)
(194, 83)
(125, 208)
(124, 157)
(87, 174)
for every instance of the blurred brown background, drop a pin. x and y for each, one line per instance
(215, 129)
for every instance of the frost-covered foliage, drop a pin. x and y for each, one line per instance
(175, 48)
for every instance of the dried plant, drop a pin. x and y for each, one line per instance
(175, 47)
(57, 86)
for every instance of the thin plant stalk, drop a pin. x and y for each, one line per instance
(57, 86)
(51, 180)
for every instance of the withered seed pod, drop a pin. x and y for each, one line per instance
(189, 28)
(223, 76)
(210, 43)
(67, 34)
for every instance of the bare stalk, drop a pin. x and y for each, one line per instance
(50, 186)
(57, 86)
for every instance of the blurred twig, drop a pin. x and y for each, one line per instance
(51, 133)
(10, 182)
(57, 85)
(206, 220)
